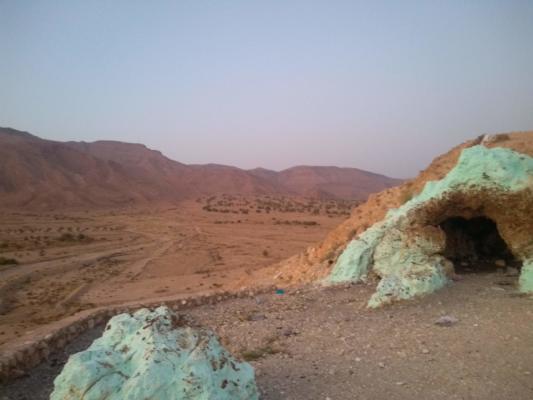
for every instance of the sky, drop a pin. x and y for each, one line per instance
(379, 85)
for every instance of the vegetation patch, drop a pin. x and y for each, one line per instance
(8, 261)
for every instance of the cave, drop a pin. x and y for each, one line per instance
(475, 245)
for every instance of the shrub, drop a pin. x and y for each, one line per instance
(8, 261)
(66, 237)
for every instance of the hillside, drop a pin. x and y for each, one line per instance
(316, 261)
(39, 174)
(329, 182)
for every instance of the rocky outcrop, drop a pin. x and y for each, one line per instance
(406, 248)
(152, 355)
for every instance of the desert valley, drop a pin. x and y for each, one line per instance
(266, 200)
(93, 255)
(267, 245)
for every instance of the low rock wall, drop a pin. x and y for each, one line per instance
(24, 355)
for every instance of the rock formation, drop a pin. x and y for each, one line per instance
(151, 355)
(406, 249)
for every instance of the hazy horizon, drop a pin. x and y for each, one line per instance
(380, 86)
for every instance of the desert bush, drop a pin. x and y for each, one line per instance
(69, 237)
(8, 261)
(66, 237)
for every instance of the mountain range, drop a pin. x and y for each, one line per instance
(40, 174)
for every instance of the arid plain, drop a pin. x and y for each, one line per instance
(72, 261)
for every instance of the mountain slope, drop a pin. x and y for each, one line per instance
(328, 182)
(42, 174)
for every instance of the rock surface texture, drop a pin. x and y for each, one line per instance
(150, 355)
(406, 248)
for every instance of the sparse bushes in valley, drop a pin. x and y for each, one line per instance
(70, 237)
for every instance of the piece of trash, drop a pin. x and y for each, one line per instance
(280, 291)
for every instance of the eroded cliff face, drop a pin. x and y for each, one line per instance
(406, 249)
(317, 262)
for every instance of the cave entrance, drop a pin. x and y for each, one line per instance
(475, 245)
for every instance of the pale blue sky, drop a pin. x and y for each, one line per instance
(379, 85)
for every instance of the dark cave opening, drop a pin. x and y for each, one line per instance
(475, 245)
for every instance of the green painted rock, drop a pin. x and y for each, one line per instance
(149, 355)
(405, 249)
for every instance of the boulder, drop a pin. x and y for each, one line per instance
(152, 355)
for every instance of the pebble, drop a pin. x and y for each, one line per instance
(257, 317)
(446, 320)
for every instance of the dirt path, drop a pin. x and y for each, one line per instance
(324, 344)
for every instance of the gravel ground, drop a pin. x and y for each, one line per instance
(324, 344)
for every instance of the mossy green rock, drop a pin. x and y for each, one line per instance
(409, 261)
(148, 355)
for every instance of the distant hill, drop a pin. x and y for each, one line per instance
(42, 174)
(328, 182)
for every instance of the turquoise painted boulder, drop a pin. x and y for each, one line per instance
(149, 355)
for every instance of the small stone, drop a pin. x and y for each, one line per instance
(288, 332)
(381, 365)
(256, 317)
(446, 320)
(500, 263)
(425, 351)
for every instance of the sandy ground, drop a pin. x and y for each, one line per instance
(74, 261)
(324, 344)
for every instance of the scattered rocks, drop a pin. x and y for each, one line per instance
(446, 320)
